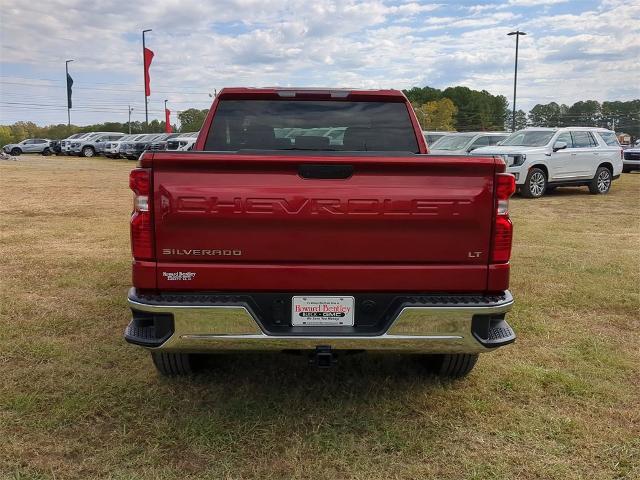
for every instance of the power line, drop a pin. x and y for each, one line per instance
(57, 80)
(99, 88)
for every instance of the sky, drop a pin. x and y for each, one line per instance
(574, 50)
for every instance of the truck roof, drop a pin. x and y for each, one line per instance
(292, 92)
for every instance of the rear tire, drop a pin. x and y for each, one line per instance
(16, 152)
(601, 183)
(173, 364)
(535, 185)
(46, 152)
(451, 365)
(88, 152)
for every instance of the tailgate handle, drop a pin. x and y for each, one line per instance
(325, 171)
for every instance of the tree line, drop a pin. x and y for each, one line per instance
(464, 109)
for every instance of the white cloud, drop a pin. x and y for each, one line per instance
(200, 46)
(535, 3)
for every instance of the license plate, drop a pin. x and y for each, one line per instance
(322, 311)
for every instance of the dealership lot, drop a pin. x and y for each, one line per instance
(77, 402)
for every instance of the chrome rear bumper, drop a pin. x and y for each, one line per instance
(439, 327)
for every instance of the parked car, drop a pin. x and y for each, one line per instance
(94, 143)
(431, 137)
(160, 143)
(465, 142)
(112, 148)
(29, 145)
(183, 142)
(133, 149)
(631, 160)
(55, 147)
(101, 144)
(65, 145)
(542, 159)
(329, 248)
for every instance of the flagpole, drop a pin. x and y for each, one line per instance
(146, 80)
(165, 116)
(66, 68)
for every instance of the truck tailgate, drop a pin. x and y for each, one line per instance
(407, 223)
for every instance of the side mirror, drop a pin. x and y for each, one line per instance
(559, 146)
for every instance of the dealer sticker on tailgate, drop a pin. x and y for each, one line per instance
(322, 311)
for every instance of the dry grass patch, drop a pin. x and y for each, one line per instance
(77, 402)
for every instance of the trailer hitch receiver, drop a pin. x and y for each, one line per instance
(323, 357)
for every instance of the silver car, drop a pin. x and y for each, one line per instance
(112, 148)
(94, 143)
(30, 145)
(65, 145)
(182, 142)
(465, 142)
(431, 137)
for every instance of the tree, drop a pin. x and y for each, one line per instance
(546, 115)
(437, 115)
(521, 120)
(477, 110)
(584, 113)
(623, 117)
(6, 136)
(422, 95)
(191, 120)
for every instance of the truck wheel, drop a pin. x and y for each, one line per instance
(16, 152)
(535, 184)
(172, 364)
(451, 365)
(601, 182)
(88, 152)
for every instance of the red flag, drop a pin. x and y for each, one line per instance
(167, 121)
(148, 56)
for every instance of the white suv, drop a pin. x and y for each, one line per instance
(183, 142)
(542, 159)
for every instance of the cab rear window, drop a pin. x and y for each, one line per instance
(315, 125)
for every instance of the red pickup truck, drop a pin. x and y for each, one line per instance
(314, 220)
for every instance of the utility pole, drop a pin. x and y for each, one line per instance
(66, 68)
(146, 80)
(517, 33)
(130, 110)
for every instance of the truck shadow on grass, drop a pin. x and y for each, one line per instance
(367, 402)
(353, 374)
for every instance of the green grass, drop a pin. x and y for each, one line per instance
(77, 402)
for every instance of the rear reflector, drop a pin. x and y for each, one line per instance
(502, 228)
(141, 220)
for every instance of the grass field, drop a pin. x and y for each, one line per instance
(77, 402)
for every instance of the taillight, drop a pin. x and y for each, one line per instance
(141, 222)
(503, 228)
(621, 154)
